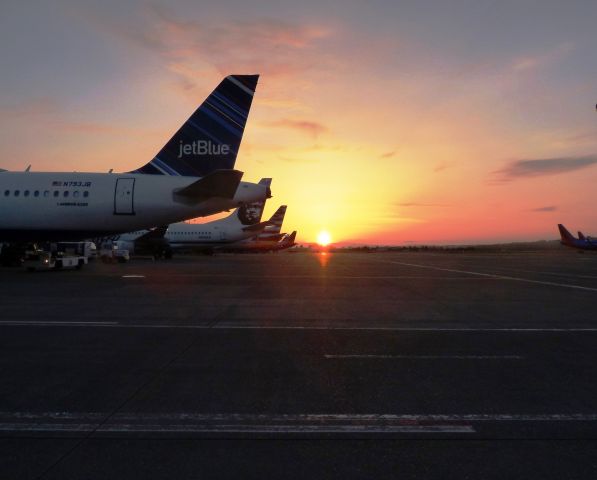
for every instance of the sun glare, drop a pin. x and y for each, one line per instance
(324, 238)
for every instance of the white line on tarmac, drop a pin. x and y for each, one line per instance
(558, 274)
(499, 277)
(223, 423)
(267, 423)
(429, 357)
(60, 323)
(224, 326)
(298, 418)
(307, 277)
(384, 329)
(238, 429)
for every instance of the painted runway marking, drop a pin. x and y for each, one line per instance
(227, 423)
(388, 329)
(499, 277)
(558, 274)
(278, 424)
(60, 323)
(129, 418)
(428, 357)
(307, 277)
(237, 429)
(224, 326)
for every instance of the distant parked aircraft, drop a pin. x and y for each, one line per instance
(581, 243)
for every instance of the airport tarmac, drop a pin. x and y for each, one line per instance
(296, 365)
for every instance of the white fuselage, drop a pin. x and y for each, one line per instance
(62, 206)
(191, 235)
(180, 235)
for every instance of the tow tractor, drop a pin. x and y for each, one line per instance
(54, 258)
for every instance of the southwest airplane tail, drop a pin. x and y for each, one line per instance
(581, 243)
(566, 238)
(210, 139)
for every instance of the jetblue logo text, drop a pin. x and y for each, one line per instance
(202, 147)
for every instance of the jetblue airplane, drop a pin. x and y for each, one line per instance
(581, 243)
(192, 176)
(244, 222)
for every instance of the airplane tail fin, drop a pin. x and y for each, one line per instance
(276, 221)
(581, 236)
(271, 233)
(290, 240)
(251, 213)
(209, 140)
(566, 237)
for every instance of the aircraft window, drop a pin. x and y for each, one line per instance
(76, 193)
(86, 194)
(17, 192)
(26, 193)
(6, 193)
(36, 193)
(56, 193)
(46, 193)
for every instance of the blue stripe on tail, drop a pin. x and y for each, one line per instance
(210, 139)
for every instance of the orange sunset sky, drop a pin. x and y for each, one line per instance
(384, 122)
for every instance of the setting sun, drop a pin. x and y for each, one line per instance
(324, 238)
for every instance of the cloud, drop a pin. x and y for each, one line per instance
(311, 128)
(51, 113)
(541, 167)
(549, 208)
(440, 167)
(581, 136)
(34, 107)
(195, 50)
(537, 61)
(297, 160)
(418, 205)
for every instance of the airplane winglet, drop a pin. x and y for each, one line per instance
(221, 183)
